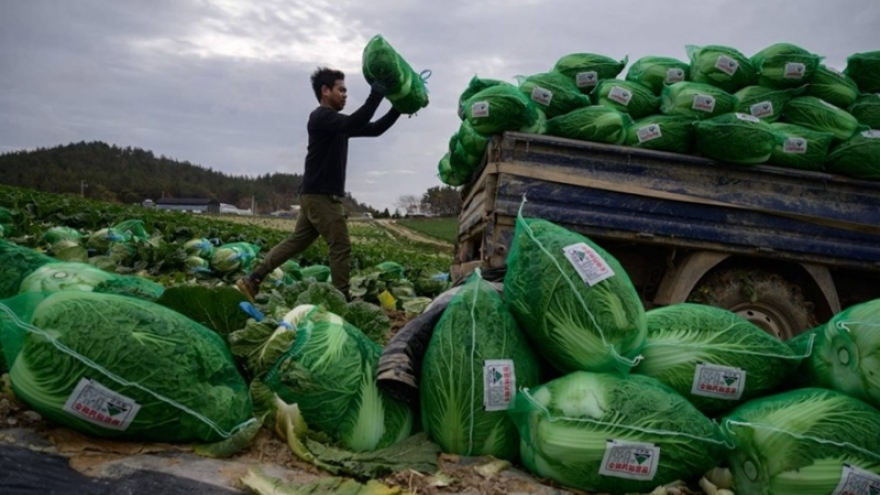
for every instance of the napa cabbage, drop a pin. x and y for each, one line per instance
(864, 69)
(552, 93)
(476, 85)
(783, 65)
(696, 100)
(809, 111)
(736, 138)
(857, 157)
(832, 86)
(867, 110)
(627, 96)
(499, 108)
(405, 88)
(662, 132)
(594, 123)
(201, 247)
(587, 69)
(764, 103)
(800, 147)
(60, 276)
(721, 66)
(658, 72)
(233, 257)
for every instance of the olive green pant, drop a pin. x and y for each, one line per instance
(319, 215)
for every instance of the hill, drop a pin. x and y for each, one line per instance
(130, 175)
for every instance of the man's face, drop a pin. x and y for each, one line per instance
(335, 97)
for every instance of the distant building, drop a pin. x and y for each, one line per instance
(148, 203)
(234, 210)
(194, 205)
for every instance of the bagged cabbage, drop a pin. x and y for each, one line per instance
(573, 299)
(60, 233)
(448, 175)
(800, 147)
(857, 157)
(608, 434)
(864, 69)
(736, 138)
(476, 85)
(499, 108)
(662, 132)
(721, 66)
(783, 65)
(697, 100)
(628, 97)
(476, 360)
(867, 110)
(808, 441)
(16, 263)
(102, 239)
(539, 127)
(201, 247)
(234, 256)
(330, 372)
(764, 103)
(596, 123)
(115, 366)
(832, 86)
(133, 229)
(713, 357)
(587, 69)
(472, 141)
(404, 87)
(320, 273)
(809, 111)
(552, 93)
(61, 276)
(657, 72)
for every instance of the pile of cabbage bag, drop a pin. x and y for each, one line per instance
(719, 104)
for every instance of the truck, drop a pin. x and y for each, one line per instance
(784, 248)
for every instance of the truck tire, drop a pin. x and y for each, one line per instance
(766, 299)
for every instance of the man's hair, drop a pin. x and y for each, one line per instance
(325, 76)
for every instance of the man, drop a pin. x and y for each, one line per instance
(323, 186)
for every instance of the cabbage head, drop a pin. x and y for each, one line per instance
(802, 442)
(845, 353)
(867, 110)
(573, 299)
(783, 65)
(116, 366)
(595, 431)
(832, 86)
(721, 66)
(864, 69)
(596, 123)
(476, 360)
(499, 108)
(736, 138)
(330, 372)
(553, 93)
(233, 257)
(16, 263)
(450, 176)
(764, 103)
(62, 276)
(673, 133)
(658, 72)
(800, 147)
(476, 85)
(696, 349)
(820, 115)
(319, 272)
(628, 97)
(858, 157)
(405, 88)
(293, 269)
(199, 247)
(700, 101)
(102, 239)
(473, 142)
(587, 69)
(60, 233)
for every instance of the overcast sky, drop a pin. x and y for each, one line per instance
(225, 83)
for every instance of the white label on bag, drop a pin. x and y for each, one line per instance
(704, 103)
(747, 118)
(727, 65)
(499, 384)
(762, 109)
(542, 95)
(796, 145)
(620, 95)
(872, 134)
(649, 132)
(586, 261)
(795, 70)
(630, 460)
(584, 79)
(857, 481)
(674, 76)
(480, 109)
(97, 404)
(718, 382)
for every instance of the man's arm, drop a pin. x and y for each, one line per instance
(350, 124)
(378, 127)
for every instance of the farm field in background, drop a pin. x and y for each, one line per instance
(444, 229)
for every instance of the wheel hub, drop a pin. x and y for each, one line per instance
(766, 317)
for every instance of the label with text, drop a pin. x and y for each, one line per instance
(762, 109)
(630, 460)
(586, 79)
(857, 481)
(499, 384)
(588, 263)
(649, 132)
(97, 404)
(727, 65)
(480, 109)
(718, 382)
(704, 103)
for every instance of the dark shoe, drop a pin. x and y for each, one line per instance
(247, 287)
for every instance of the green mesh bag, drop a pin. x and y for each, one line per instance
(736, 138)
(587, 69)
(476, 360)
(472, 141)
(800, 147)
(132, 230)
(857, 157)
(662, 132)
(233, 257)
(610, 434)
(629, 97)
(867, 110)
(807, 441)
(809, 111)
(58, 234)
(405, 88)
(321, 273)
(764, 103)
(595, 123)
(448, 175)
(499, 108)
(864, 69)
(573, 299)
(16, 263)
(701, 101)
(115, 366)
(657, 72)
(552, 93)
(832, 86)
(476, 85)
(721, 66)
(783, 65)
(330, 372)
(390, 270)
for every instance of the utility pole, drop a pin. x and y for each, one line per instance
(82, 188)
(253, 205)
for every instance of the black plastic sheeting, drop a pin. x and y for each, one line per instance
(24, 472)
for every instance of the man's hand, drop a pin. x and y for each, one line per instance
(378, 88)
